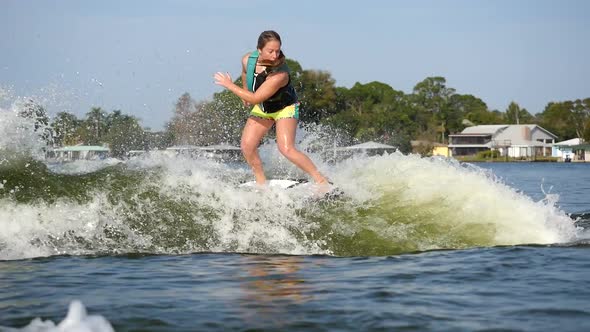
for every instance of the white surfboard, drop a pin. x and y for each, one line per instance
(275, 183)
(302, 187)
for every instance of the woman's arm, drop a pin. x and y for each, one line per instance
(245, 70)
(271, 85)
(244, 79)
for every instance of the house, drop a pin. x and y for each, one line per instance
(430, 148)
(572, 150)
(582, 152)
(440, 149)
(367, 148)
(224, 152)
(517, 141)
(376, 148)
(78, 152)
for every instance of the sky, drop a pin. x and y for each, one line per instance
(140, 56)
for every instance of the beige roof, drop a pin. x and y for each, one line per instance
(515, 134)
(511, 131)
(573, 141)
(483, 129)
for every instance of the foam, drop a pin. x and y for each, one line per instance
(182, 205)
(76, 320)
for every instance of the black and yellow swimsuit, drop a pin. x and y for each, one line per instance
(283, 104)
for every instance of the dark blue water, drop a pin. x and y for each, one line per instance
(571, 181)
(488, 288)
(514, 288)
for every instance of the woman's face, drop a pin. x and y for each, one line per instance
(270, 51)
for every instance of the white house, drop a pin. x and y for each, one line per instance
(510, 140)
(220, 151)
(574, 149)
(564, 149)
(78, 152)
(367, 148)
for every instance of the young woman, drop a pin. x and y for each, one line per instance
(267, 86)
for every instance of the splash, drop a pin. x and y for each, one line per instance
(19, 137)
(77, 319)
(160, 203)
(435, 203)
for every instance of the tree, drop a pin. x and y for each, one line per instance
(65, 129)
(295, 72)
(476, 111)
(36, 113)
(94, 127)
(433, 97)
(317, 94)
(159, 139)
(517, 115)
(207, 123)
(568, 118)
(565, 119)
(124, 134)
(374, 111)
(182, 121)
(222, 119)
(580, 116)
(586, 134)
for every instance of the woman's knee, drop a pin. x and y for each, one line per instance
(287, 150)
(248, 146)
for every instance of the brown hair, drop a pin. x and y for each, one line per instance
(264, 38)
(267, 36)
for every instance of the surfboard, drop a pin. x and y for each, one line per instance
(297, 185)
(276, 183)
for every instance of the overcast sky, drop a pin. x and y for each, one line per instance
(139, 56)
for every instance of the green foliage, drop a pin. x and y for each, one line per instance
(35, 112)
(65, 129)
(565, 119)
(372, 111)
(473, 110)
(124, 134)
(317, 94)
(295, 71)
(487, 154)
(207, 123)
(94, 127)
(581, 117)
(433, 101)
(516, 115)
(375, 111)
(119, 131)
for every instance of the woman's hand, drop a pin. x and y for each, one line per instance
(223, 79)
(271, 85)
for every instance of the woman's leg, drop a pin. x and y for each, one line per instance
(253, 132)
(286, 141)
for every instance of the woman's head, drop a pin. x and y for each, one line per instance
(267, 36)
(269, 46)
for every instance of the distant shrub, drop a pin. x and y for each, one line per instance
(487, 154)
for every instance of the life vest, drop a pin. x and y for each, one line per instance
(284, 97)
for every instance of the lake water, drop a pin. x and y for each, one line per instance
(415, 244)
(570, 181)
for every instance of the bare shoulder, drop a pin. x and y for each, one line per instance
(245, 59)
